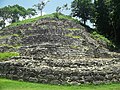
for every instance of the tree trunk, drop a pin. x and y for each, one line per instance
(84, 22)
(41, 12)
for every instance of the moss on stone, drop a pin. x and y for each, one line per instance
(5, 36)
(29, 28)
(72, 36)
(15, 35)
(74, 47)
(73, 29)
(6, 55)
(16, 46)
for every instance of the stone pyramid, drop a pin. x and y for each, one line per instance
(57, 51)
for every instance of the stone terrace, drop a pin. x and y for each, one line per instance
(57, 52)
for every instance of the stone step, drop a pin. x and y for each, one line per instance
(85, 62)
(58, 75)
(72, 67)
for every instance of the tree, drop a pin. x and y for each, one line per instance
(60, 9)
(102, 16)
(82, 9)
(16, 12)
(13, 13)
(2, 24)
(4, 15)
(40, 6)
(116, 20)
(31, 12)
(103, 23)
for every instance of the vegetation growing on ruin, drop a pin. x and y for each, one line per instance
(101, 38)
(61, 16)
(6, 55)
(72, 36)
(73, 29)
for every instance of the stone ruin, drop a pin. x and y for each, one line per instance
(57, 52)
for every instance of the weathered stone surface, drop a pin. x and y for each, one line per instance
(57, 52)
(85, 72)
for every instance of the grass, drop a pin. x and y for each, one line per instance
(72, 36)
(16, 85)
(27, 21)
(6, 55)
(102, 38)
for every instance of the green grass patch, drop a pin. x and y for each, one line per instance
(16, 85)
(72, 36)
(102, 38)
(6, 55)
(27, 21)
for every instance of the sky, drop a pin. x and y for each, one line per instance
(50, 7)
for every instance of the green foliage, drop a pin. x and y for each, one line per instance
(102, 18)
(116, 21)
(13, 13)
(99, 37)
(82, 9)
(104, 14)
(31, 12)
(102, 38)
(16, 12)
(6, 55)
(16, 85)
(107, 19)
(4, 14)
(56, 15)
(2, 23)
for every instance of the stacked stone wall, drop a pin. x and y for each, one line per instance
(62, 71)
